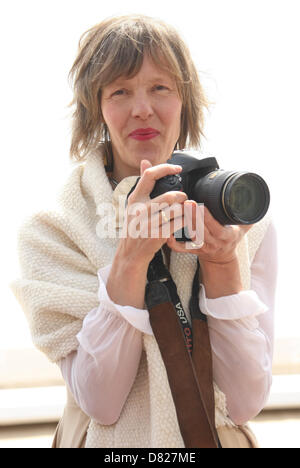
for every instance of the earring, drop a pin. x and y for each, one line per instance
(108, 156)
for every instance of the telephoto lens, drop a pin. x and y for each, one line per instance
(233, 197)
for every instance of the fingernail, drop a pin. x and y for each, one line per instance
(188, 210)
(190, 204)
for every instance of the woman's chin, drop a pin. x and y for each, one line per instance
(155, 158)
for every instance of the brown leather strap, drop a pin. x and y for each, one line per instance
(202, 360)
(194, 420)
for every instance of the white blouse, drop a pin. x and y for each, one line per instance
(101, 372)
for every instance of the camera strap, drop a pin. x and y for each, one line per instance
(186, 353)
(158, 271)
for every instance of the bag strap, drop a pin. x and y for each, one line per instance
(190, 378)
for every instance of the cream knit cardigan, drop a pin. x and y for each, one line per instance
(60, 254)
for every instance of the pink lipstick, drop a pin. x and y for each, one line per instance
(142, 134)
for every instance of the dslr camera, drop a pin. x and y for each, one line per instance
(232, 197)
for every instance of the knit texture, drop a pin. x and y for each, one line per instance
(60, 253)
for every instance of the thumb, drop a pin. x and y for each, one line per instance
(145, 164)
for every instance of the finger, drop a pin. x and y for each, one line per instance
(175, 245)
(169, 218)
(158, 228)
(214, 227)
(174, 196)
(145, 164)
(194, 215)
(223, 232)
(151, 175)
(167, 223)
(189, 213)
(169, 213)
(150, 209)
(151, 217)
(217, 231)
(183, 247)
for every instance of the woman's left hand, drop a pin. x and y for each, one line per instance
(219, 243)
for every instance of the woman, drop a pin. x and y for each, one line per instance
(137, 96)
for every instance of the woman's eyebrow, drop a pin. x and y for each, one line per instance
(121, 81)
(161, 78)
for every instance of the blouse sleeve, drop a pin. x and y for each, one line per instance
(101, 372)
(241, 330)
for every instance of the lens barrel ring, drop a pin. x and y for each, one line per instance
(255, 185)
(223, 195)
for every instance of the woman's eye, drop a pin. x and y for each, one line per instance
(118, 92)
(161, 88)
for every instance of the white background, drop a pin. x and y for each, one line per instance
(247, 53)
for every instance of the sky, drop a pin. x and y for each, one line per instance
(247, 55)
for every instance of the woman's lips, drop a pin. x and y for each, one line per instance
(142, 134)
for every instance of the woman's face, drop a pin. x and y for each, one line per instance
(143, 118)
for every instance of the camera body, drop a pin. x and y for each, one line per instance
(232, 197)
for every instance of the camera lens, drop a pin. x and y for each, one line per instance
(246, 197)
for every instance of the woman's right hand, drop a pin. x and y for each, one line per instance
(128, 275)
(150, 222)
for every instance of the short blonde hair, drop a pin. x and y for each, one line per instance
(116, 47)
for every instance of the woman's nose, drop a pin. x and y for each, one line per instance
(142, 107)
